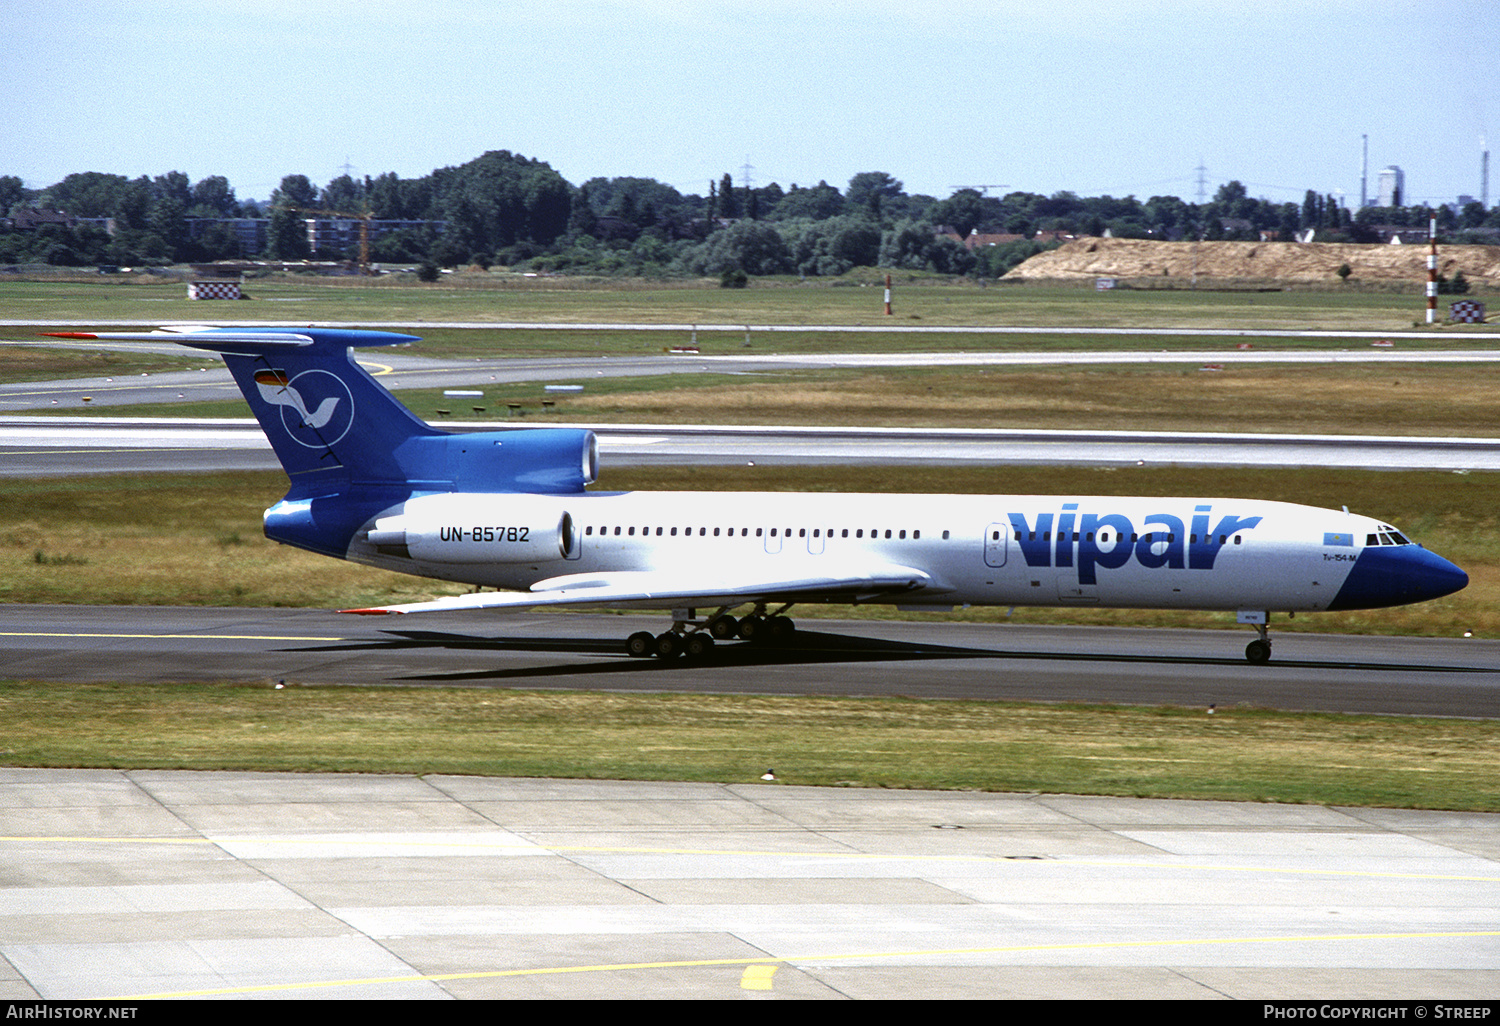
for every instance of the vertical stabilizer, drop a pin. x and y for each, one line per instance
(331, 424)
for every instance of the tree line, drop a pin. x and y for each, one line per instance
(506, 209)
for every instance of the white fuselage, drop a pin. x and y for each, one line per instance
(1229, 554)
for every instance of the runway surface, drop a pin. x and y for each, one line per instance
(179, 884)
(65, 446)
(1426, 676)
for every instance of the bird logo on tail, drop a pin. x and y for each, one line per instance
(278, 390)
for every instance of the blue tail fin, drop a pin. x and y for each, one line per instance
(351, 449)
(333, 426)
(329, 421)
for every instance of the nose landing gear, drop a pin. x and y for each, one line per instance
(1259, 650)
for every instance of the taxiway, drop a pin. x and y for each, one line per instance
(159, 884)
(927, 659)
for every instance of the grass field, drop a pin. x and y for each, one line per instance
(1434, 399)
(1237, 755)
(1438, 399)
(854, 299)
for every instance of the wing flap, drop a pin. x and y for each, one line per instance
(659, 590)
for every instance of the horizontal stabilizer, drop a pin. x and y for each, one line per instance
(216, 338)
(224, 339)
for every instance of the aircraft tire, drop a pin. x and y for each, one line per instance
(1258, 652)
(640, 645)
(698, 645)
(724, 628)
(781, 629)
(668, 645)
(753, 629)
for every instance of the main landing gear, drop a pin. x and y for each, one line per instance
(693, 637)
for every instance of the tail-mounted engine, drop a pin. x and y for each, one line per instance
(476, 529)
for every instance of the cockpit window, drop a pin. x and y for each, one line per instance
(1387, 537)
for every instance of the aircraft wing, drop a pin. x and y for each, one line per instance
(652, 589)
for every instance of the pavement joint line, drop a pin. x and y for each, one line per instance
(533, 846)
(816, 959)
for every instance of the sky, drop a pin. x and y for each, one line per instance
(1130, 97)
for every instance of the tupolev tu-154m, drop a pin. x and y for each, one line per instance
(373, 483)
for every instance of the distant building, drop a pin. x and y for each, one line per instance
(250, 233)
(975, 239)
(1399, 234)
(1392, 187)
(29, 219)
(342, 233)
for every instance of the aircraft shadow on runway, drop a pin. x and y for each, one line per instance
(804, 648)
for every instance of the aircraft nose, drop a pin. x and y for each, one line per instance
(1397, 575)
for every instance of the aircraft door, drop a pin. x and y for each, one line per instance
(996, 541)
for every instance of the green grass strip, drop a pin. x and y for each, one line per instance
(1236, 754)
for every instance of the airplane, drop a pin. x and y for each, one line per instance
(373, 483)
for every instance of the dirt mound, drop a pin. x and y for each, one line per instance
(1285, 262)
